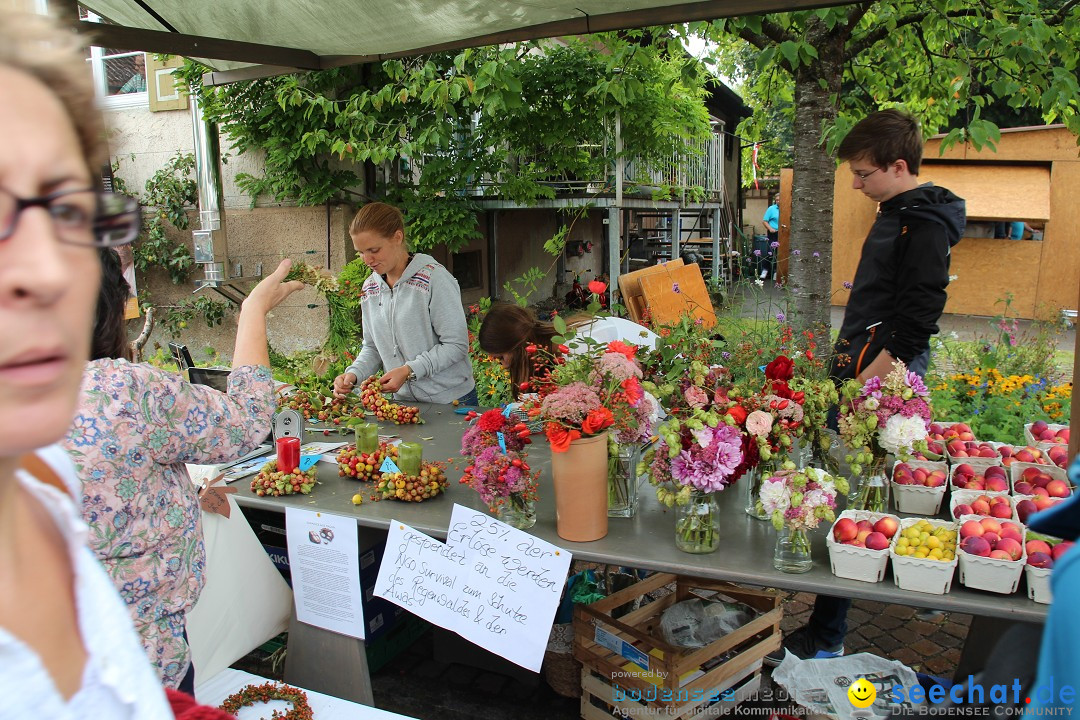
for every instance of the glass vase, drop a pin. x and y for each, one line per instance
(697, 524)
(754, 477)
(792, 554)
(870, 491)
(622, 479)
(517, 511)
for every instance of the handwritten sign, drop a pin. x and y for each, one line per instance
(389, 466)
(492, 584)
(214, 498)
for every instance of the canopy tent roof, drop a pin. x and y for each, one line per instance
(244, 39)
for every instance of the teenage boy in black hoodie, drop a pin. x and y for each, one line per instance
(896, 298)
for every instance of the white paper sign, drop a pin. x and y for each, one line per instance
(492, 584)
(325, 562)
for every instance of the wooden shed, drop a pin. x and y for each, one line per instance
(1035, 177)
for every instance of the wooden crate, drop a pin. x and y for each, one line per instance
(601, 699)
(630, 287)
(693, 669)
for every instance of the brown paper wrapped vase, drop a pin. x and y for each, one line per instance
(580, 479)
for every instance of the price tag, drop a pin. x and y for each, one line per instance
(389, 466)
(213, 498)
(502, 440)
(307, 462)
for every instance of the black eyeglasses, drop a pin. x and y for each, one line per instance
(863, 176)
(80, 217)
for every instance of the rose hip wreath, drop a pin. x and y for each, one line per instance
(253, 694)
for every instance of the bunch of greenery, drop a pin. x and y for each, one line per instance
(510, 119)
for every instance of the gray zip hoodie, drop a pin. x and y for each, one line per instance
(419, 323)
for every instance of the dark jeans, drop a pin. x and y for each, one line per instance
(469, 398)
(828, 622)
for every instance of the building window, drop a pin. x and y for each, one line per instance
(466, 268)
(119, 75)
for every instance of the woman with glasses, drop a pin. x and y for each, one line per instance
(135, 427)
(67, 648)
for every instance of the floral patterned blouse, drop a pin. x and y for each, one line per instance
(136, 427)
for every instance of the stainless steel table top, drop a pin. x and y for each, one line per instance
(644, 541)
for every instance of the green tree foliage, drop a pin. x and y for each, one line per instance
(512, 120)
(939, 59)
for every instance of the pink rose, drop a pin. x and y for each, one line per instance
(759, 423)
(696, 397)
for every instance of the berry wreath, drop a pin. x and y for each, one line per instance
(253, 694)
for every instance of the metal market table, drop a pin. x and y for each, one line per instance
(337, 665)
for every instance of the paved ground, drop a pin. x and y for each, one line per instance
(426, 684)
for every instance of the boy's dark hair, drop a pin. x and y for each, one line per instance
(110, 326)
(883, 138)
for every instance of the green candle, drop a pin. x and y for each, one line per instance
(367, 437)
(410, 455)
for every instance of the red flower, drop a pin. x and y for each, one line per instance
(780, 388)
(560, 438)
(596, 287)
(738, 414)
(782, 368)
(492, 421)
(597, 420)
(618, 346)
(632, 387)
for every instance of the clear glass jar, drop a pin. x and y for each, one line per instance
(697, 524)
(870, 490)
(792, 554)
(753, 479)
(623, 460)
(517, 511)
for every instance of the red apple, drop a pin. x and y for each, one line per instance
(1001, 510)
(1012, 531)
(962, 509)
(865, 525)
(990, 525)
(1058, 488)
(972, 528)
(845, 530)
(1040, 559)
(1037, 546)
(975, 545)
(980, 505)
(861, 537)
(876, 541)
(1061, 548)
(1000, 555)
(1024, 509)
(1038, 427)
(1012, 547)
(887, 526)
(1023, 488)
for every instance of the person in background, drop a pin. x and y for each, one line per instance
(414, 323)
(137, 82)
(67, 647)
(135, 428)
(897, 296)
(771, 218)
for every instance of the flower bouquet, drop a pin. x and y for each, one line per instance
(498, 468)
(878, 418)
(695, 458)
(797, 501)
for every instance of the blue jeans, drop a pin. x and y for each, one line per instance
(469, 398)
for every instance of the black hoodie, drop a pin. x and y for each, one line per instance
(899, 289)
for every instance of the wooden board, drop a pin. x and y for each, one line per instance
(630, 287)
(995, 192)
(667, 306)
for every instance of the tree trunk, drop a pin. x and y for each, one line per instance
(810, 277)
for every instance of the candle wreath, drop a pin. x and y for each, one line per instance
(253, 694)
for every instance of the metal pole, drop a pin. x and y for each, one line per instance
(716, 259)
(676, 231)
(615, 216)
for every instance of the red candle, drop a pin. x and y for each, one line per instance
(288, 454)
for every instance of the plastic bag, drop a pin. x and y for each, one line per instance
(696, 623)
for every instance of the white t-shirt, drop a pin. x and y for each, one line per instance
(118, 681)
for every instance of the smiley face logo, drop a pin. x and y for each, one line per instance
(861, 693)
